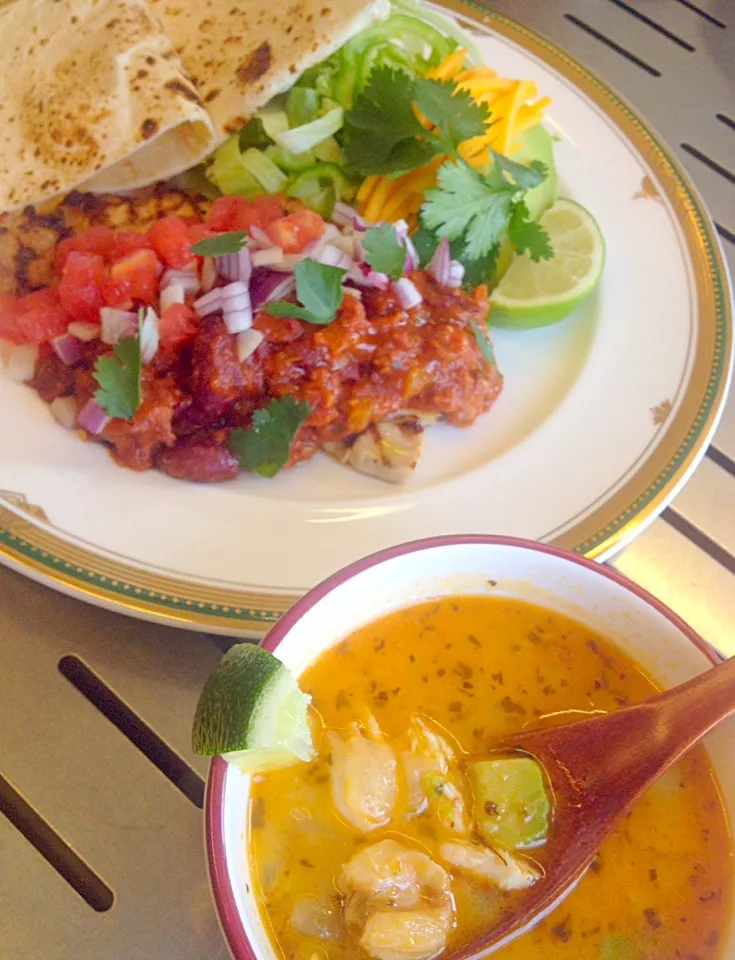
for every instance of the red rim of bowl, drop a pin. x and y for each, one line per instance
(229, 915)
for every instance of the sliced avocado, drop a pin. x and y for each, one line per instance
(511, 804)
(537, 144)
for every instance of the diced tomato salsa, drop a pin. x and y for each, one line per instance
(374, 359)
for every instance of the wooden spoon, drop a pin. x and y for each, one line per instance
(598, 768)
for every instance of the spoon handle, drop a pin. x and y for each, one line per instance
(691, 710)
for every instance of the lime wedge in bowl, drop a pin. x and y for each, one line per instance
(535, 294)
(252, 712)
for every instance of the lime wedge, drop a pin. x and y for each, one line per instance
(252, 712)
(537, 294)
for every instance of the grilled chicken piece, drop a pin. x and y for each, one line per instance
(28, 237)
(388, 450)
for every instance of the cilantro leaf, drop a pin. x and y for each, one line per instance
(481, 269)
(410, 154)
(453, 111)
(118, 377)
(382, 134)
(526, 177)
(465, 204)
(319, 288)
(265, 447)
(223, 243)
(483, 342)
(383, 251)
(476, 271)
(425, 242)
(527, 236)
(384, 107)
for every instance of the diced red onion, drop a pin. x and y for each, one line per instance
(412, 257)
(244, 265)
(117, 324)
(456, 274)
(345, 215)
(233, 290)
(237, 321)
(247, 343)
(267, 286)
(354, 292)
(186, 279)
(401, 228)
(92, 417)
(170, 295)
(209, 273)
(64, 410)
(260, 237)
(85, 332)
(284, 289)
(237, 310)
(20, 362)
(208, 303)
(149, 336)
(440, 262)
(68, 349)
(381, 281)
(267, 257)
(407, 293)
(236, 266)
(332, 256)
(227, 266)
(238, 301)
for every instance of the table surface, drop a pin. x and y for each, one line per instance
(95, 708)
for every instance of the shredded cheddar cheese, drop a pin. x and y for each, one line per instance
(514, 109)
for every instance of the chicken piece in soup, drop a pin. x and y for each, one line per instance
(408, 835)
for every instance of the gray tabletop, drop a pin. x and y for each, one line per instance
(95, 708)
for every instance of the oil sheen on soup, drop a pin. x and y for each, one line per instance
(387, 845)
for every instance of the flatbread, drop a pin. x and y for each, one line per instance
(92, 91)
(240, 53)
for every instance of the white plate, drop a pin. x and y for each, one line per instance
(601, 420)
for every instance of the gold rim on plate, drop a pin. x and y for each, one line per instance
(44, 555)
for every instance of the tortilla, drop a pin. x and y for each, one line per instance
(241, 53)
(92, 92)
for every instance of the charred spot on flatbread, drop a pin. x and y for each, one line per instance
(255, 64)
(212, 95)
(148, 128)
(177, 86)
(233, 125)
